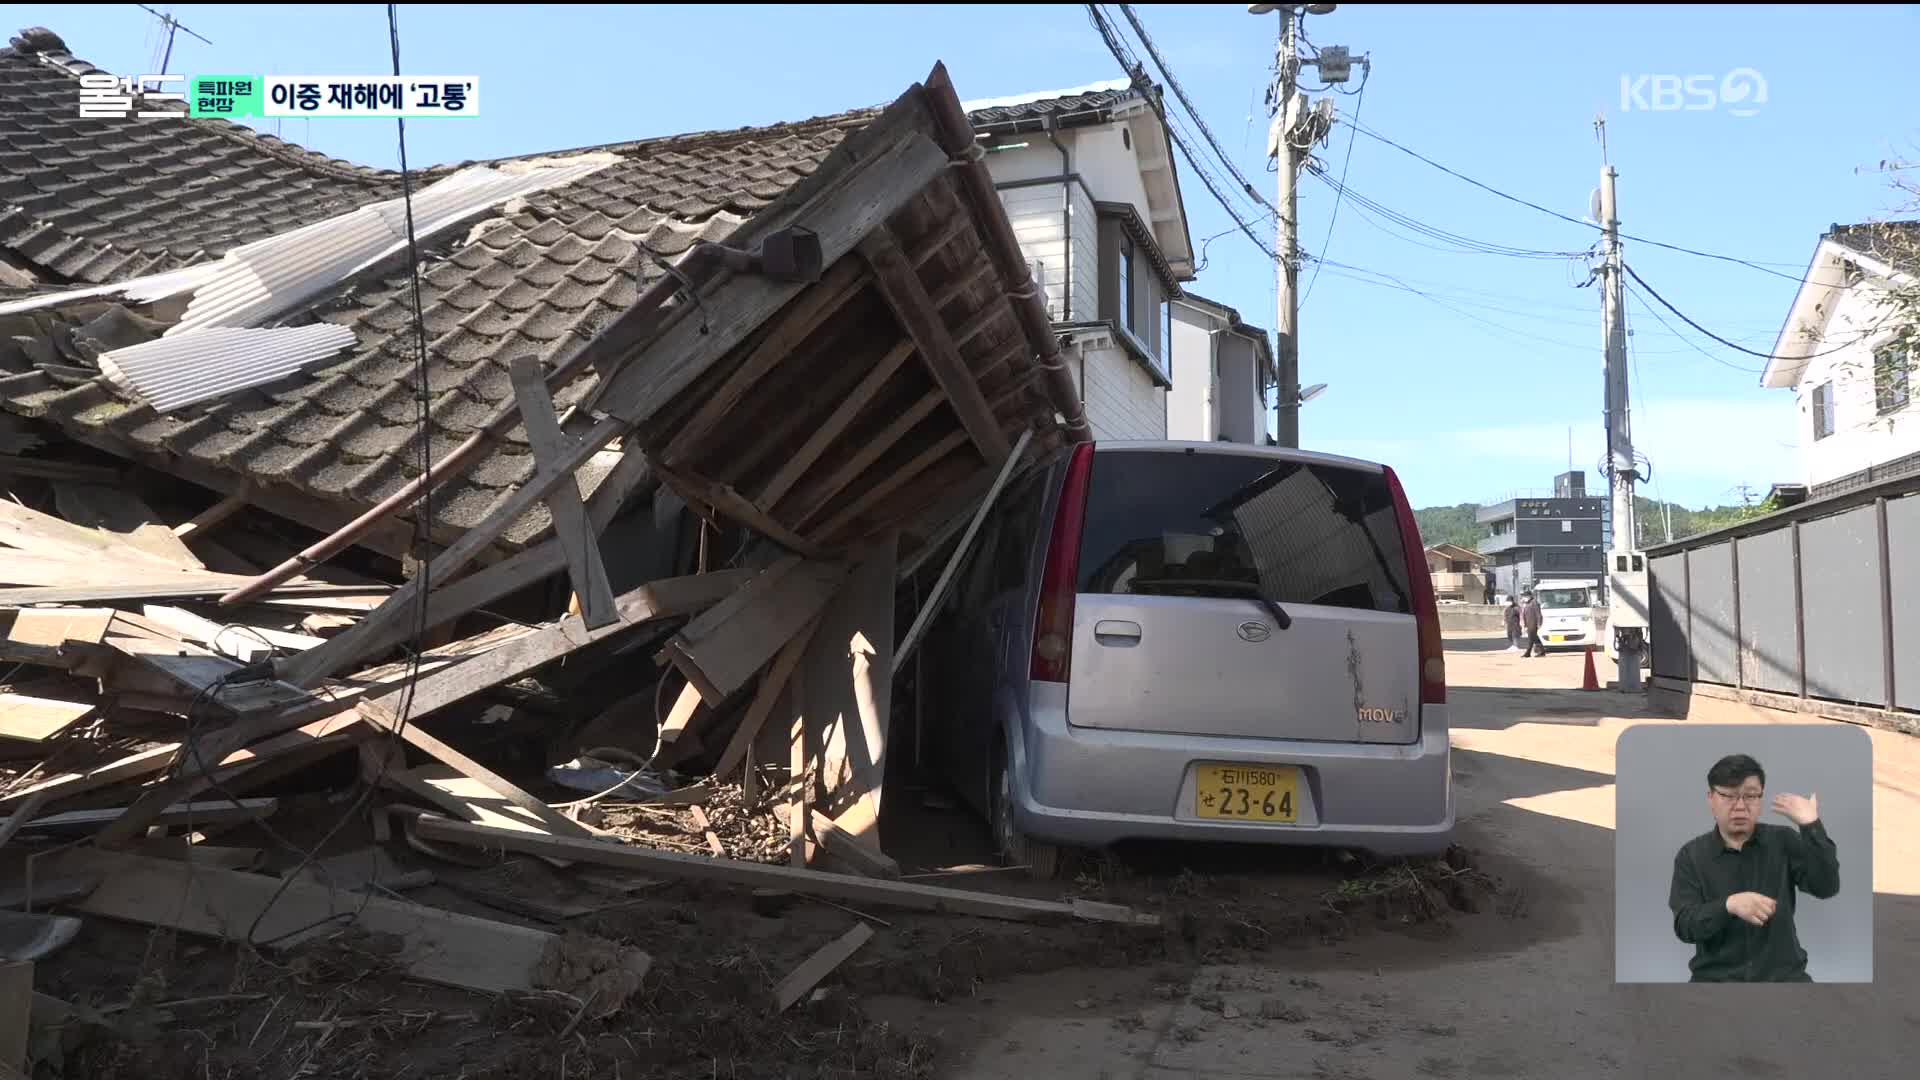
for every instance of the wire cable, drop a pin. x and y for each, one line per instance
(1767, 356)
(1334, 215)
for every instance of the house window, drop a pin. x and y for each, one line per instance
(1566, 526)
(1126, 281)
(1891, 367)
(1823, 410)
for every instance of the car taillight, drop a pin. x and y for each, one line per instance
(1060, 581)
(1433, 656)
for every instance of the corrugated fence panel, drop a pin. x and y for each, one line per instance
(1845, 643)
(1711, 570)
(1769, 650)
(1667, 621)
(1903, 549)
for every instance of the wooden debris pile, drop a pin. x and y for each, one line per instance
(791, 414)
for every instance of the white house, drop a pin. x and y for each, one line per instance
(1087, 177)
(1222, 370)
(1843, 351)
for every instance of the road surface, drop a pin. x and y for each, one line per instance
(1516, 993)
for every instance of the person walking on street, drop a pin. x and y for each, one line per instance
(1487, 594)
(1513, 623)
(1530, 621)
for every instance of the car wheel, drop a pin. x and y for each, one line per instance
(1041, 859)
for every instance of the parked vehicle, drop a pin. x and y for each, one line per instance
(1199, 641)
(1568, 612)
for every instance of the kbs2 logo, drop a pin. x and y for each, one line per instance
(1739, 92)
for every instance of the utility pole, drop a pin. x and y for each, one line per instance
(1627, 568)
(1296, 127)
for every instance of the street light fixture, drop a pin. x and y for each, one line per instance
(1312, 392)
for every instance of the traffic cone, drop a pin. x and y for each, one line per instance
(1591, 680)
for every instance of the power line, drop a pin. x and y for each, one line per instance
(1180, 93)
(1723, 362)
(1370, 133)
(1137, 74)
(1334, 215)
(1460, 241)
(1767, 356)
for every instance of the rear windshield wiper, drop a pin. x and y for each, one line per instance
(1216, 586)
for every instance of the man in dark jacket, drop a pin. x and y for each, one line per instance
(1530, 621)
(1734, 886)
(1513, 623)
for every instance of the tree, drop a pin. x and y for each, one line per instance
(1452, 525)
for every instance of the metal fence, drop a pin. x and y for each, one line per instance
(1821, 600)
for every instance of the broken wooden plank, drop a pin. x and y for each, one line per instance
(570, 525)
(220, 812)
(846, 846)
(463, 797)
(835, 425)
(705, 825)
(765, 699)
(801, 980)
(377, 714)
(722, 649)
(938, 594)
(210, 679)
(814, 498)
(355, 869)
(144, 763)
(237, 641)
(437, 946)
(184, 586)
(123, 514)
(887, 485)
(730, 504)
(681, 714)
(800, 774)
(32, 531)
(197, 526)
(911, 305)
(760, 875)
(35, 892)
(37, 719)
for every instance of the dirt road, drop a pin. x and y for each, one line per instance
(1523, 990)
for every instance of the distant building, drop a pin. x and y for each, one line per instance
(1841, 352)
(1538, 538)
(1457, 573)
(1222, 369)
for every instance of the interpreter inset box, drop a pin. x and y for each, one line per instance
(1743, 853)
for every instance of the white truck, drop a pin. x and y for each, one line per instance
(1569, 612)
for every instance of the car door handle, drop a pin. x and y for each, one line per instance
(1121, 633)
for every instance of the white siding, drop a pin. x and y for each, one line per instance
(1110, 168)
(1190, 402)
(1861, 437)
(1040, 226)
(1238, 395)
(1086, 258)
(1121, 399)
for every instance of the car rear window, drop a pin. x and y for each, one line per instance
(1563, 598)
(1224, 525)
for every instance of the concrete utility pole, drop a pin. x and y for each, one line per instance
(1626, 565)
(1296, 127)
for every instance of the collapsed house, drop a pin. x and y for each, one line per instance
(631, 479)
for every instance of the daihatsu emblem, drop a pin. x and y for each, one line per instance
(1254, 631)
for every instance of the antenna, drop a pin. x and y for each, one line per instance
(167, 20)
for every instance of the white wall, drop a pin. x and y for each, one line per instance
(1239, 400)
(1861, 437)
(1041, 227)
(1121, 398)
(1190, 412)
(1086, 257)
(1110, 168)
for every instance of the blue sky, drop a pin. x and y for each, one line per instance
(1468, 391)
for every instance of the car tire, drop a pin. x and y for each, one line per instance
(1041, 859)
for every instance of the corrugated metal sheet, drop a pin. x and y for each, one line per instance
(141, 290)
(172, 373)
(1307, 551)
(257, 281)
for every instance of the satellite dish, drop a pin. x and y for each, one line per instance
(1593, 207)
(1313, 391)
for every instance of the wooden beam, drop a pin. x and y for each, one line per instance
(953, 228)
(801, 980)
(38, 719)
(570, 525)
(375, 713)
(800, 776)
(892, 482)
(924, 617)
(47, 469)
(32, 531)
(199, 524)
(728, 503)
(184, 586)
(681, 714)
(847, 847)
(839, 213)
(952, 290)
(908, 298)
(765, 699)
(760, 875)
(436, 946)
(123, 514)
(66, 785)
(835, 425)
(530, 649)
(219, 812)
(797, 322)
(722, 649)
(972, 328)
(814, 498)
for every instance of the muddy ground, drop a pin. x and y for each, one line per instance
(156, 1005)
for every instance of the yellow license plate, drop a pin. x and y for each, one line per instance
(1556, 638)
(1248, 792)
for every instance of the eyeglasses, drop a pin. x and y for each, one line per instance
(1752, 798)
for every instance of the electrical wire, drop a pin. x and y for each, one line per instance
(1490, 189)
(1767, 356)
(1334, 215)
(1135, 72)
(1206, 133)
(1458, 240)
(1690, 343)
